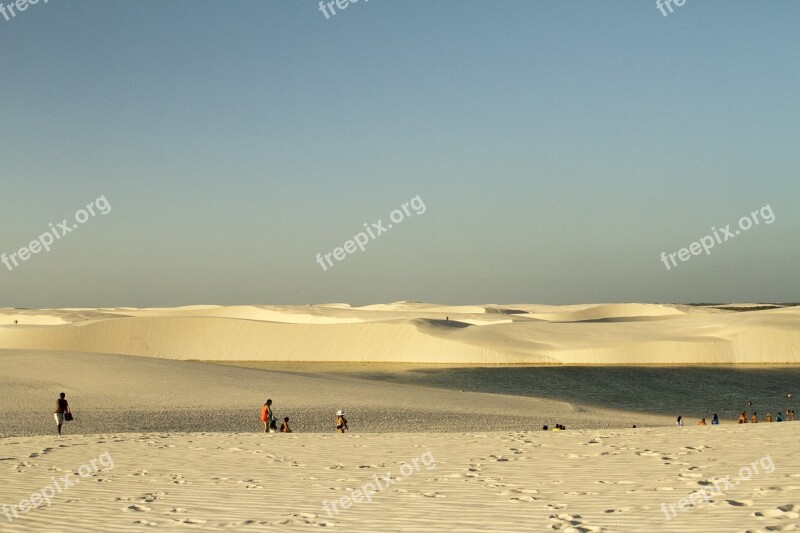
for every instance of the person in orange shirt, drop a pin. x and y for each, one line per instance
(266, 415)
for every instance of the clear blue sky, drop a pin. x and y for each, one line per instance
(559, 148)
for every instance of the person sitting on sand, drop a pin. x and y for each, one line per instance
(769, 417)
(743, 417)
(715, 420)
(754, 418)
(790, 415)
(680, 421)
(285, 425)
(702, 422)
(266, 415)
(780, 417)
(61, 409)
(341, 421)
(545, 428)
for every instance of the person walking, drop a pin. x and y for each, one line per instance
(61, 410)
(341, 421)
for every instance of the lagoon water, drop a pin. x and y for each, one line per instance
(693, 391)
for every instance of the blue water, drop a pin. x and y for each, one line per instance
(693, 392)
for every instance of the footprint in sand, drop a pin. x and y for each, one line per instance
(151, 497)
(302, 518)
(245, 523)
(433, 495)
(144, 523)
(783, 511)
(568, 522)
(138, 508)
(738, 503)
(555, 506)
(647, 453)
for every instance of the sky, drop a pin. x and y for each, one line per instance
(558, 148)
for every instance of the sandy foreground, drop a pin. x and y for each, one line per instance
(583, 480)
(175, 445)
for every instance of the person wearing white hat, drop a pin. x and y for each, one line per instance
(341, 421)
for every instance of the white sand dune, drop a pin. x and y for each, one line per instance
(124, 393)
(413, 332)
(573, 481)
(188, 451)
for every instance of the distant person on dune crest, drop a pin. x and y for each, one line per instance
(285, 425)
(702, 422)
(743, 417)
(715, 420)
(754, 418)
(680, 421)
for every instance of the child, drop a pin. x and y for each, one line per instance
(285, 425)
(341, 421)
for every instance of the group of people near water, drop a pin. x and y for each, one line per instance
(62, 413)
(778, 418)
(271, 425)
(753, 419)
